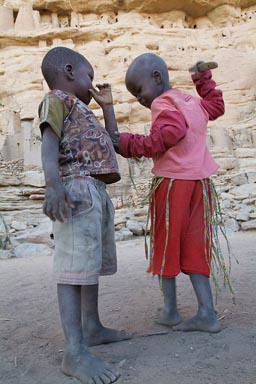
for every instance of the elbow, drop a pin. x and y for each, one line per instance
(174, 139)
(182, 134)
(221, 109)
(221, 106)
(218, 112)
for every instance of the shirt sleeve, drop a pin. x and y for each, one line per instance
(212, 99)
(167, 130)
(52, 112)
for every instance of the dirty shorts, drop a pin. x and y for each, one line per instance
(85, 241)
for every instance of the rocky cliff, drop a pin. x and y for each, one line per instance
(110, 34)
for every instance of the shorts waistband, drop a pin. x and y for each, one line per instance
(89, 179)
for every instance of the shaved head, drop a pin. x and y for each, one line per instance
(147, 63)
(55, 60)
(147, 78)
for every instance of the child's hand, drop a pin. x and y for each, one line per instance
(56, 201)
(102, 95)
(201, 66)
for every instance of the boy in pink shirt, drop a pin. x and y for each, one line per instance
(183, 198)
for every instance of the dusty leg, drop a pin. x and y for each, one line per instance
(94, 332)
(169, 315)
(77, 361)
(205, 319)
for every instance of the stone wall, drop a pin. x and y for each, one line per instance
(110, 34)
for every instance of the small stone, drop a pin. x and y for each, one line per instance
(227, 196)
(251, 176)
(225, 204)
(244, 191)
(248, 225)
(239, 179)
(141, 211)
(32, 250)
(232, 225)
(135, 227)
(36, 197)
(6, 254)
(123, 234)
(18, 225)
(120, 220)
(242, 216)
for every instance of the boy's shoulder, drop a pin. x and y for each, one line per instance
(61, 95)
(54, 103)
(173, 100)
(168, 99)
(59, 99)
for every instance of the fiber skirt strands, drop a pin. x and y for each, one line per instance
(186, 222)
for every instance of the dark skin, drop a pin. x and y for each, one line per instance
(78, 304)
(57, 199)
(146, 79)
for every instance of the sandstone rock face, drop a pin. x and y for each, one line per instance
(110, 34)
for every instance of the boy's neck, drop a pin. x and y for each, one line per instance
(167, 87)
(63, 90)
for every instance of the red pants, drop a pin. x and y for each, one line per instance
(180, 246)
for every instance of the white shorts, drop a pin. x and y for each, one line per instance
(85, 242)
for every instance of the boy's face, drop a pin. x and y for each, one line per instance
(83, 77)
(144, 86)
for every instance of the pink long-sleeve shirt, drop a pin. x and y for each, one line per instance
(178, 137)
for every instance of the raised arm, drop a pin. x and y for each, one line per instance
(212, 99)
(103, 96)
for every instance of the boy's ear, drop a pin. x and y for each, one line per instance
(157, 76)
(68, 70)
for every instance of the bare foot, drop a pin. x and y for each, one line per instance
(87, 368)
(105, 335)
(169, 319)
(199, 323)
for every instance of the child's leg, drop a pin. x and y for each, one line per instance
(169, 315)
(77, 361)
(94, 332)
(205, 319)
(166, 244)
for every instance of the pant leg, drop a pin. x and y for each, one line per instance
(169, 225)
(196, 242)
(185, 226)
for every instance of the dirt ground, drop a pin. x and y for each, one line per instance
(31, 338)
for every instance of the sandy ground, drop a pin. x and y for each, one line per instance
(31, 338)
